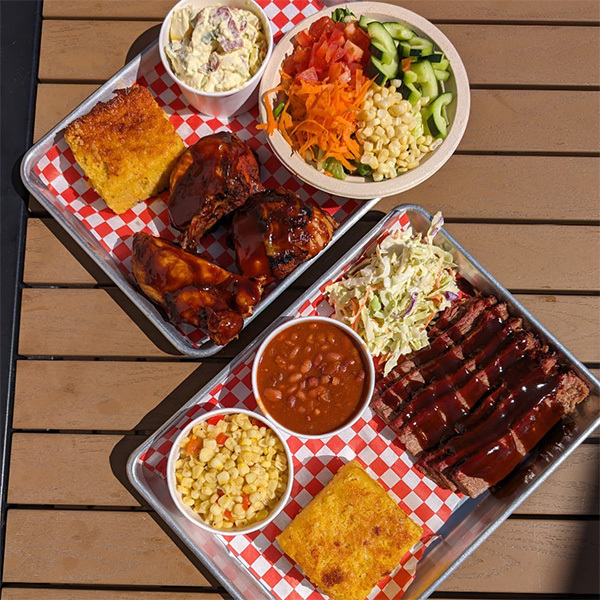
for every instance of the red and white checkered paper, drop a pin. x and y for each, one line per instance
(369, 441)
(66, 181)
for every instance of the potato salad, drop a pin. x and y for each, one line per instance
(215, 49)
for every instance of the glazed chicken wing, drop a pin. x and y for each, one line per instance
(211, 179)
(191, 289)
(275, 231)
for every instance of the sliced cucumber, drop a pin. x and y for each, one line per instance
(426, 77)
(388, 63)
(419, 50)
(410, 77)
(364, 21)
(373, 72)
(441, 75)
(410, 92)
(422, 44)
(443, 65)
(382, 36)
(398, 31)
(379, 52)
(437, 122)
(436, 57)
(383, 72)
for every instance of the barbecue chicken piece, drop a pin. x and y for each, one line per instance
(193, 290)
(275, 231)
(212, 178)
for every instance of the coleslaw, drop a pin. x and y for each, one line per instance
(391, 297)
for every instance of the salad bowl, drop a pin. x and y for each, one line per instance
(364, 187)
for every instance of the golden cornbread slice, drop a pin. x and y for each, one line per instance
(127, 147)
(350, 536)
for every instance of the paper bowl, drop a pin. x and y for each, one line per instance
(358, 187)
(219, 104)
(193, 517)
(367, 360)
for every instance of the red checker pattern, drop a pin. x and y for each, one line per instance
(368, 442)
(66, 181)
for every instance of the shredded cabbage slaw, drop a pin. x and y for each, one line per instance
(390, 298)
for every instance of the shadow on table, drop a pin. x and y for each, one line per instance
(142, 42)
(586, 578)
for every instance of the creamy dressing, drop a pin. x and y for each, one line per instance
(217, 48)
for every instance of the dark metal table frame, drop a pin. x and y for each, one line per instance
(20, 39)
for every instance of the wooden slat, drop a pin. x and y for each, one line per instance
(104, 395)
(509, 187)
(542, 557)
(563, 316)
(513, 121)
(81, 465)
(67, 322)
(48, 261)
(535, 257)
(526, 46)
(67, 594)
(89, 50)
(80, 323)
(102, 47)
(585, 11)
(517, 255)
(88, 547)
(114, 548)
(55, 101)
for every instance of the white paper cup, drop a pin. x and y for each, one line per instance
(367, 360)
(219, 104)
(195, 518)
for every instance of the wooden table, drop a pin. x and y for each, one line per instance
(93, 377)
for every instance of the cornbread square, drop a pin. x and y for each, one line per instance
(350, 536)
(127, 147)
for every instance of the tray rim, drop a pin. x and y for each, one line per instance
(371, 236)
(149, 310)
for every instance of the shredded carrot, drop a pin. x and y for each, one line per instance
(319, 115)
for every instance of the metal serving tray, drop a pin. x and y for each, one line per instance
(471, 520)
(49, 173)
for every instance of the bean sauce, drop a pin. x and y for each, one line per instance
(312, 378)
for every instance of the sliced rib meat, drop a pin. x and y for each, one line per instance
(518, 428)
(489, 323)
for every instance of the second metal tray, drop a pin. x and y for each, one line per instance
(469, 522)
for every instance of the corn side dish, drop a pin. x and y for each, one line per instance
(391, 132)
(231, 471)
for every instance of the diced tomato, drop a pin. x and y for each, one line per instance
(324, 45)
(352, 53)
(334, 53)
(303, 39)
(193, 446)
(406, 63)
(221, 439)
(350, 29)
(337, 36)
(324, 24)
(220, 493)
(357, 36)
(308, 75)
(215, 420)
(228, 515)
(300, 59)
(245, 502)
